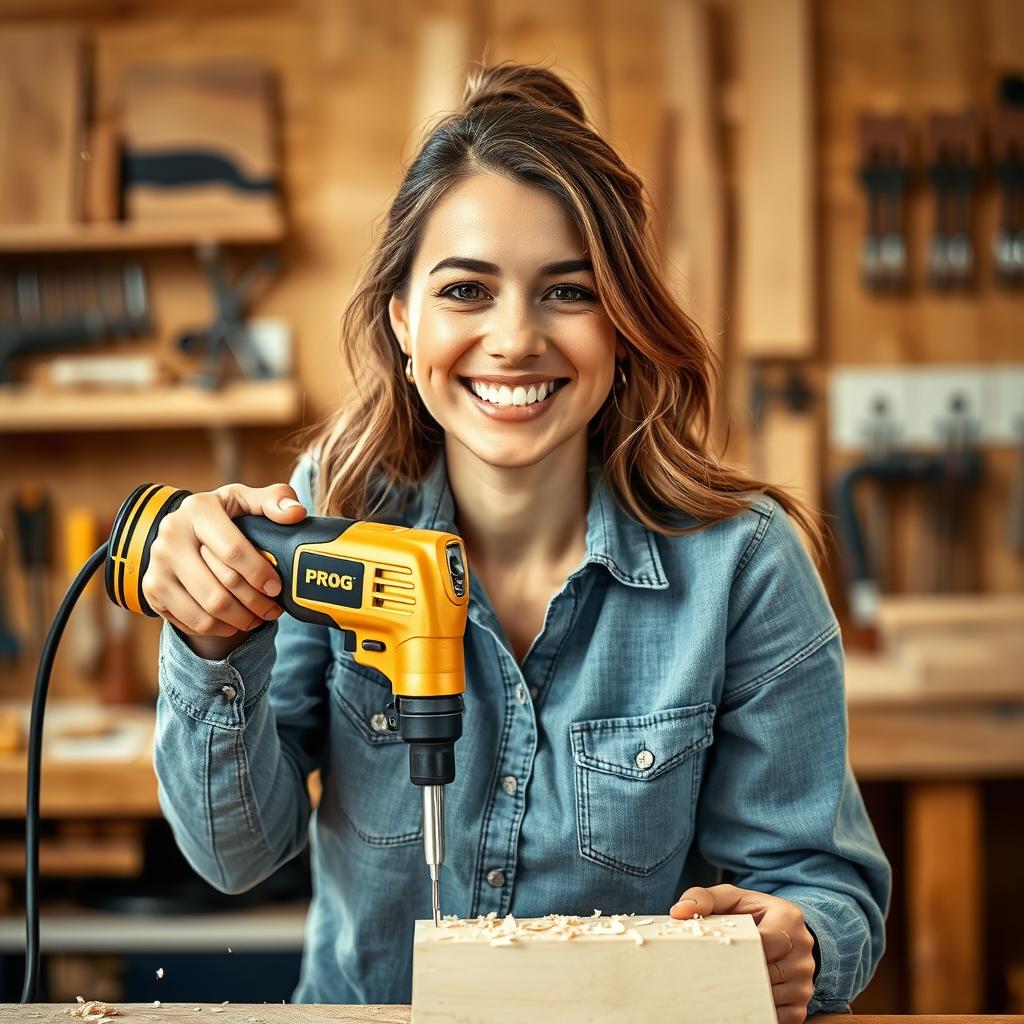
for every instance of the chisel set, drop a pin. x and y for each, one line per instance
(951, 165)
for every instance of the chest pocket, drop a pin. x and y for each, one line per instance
(369, 764)
(636, 782)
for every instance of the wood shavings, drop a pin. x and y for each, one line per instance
(635, 936)
(156, 1002)
(159, 973)
(91, 1009)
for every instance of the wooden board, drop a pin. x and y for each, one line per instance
(221, 107)
(776, 217)
(617, 969)
(41, 92)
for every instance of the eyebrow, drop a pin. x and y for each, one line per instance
(483, 267)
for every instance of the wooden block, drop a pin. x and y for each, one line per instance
(776, 224)
(596, 969)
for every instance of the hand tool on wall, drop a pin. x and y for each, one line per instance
(1015, 510)
(952, 169)
(9, 645)
(47, 316)
(964, 464)
(86, 634)
(884, 145)
(399, 595)
(32, 524)
(228, 331)
(1008, 158)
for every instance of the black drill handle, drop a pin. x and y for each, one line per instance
(281, 541)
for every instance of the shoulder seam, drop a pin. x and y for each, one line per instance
(784, 666)
(766, 512)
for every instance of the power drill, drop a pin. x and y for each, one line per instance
(400, 596)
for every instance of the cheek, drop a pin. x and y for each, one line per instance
(442, 341)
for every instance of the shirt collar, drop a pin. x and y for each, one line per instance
(614, 539)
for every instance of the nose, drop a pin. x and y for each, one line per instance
(515, 334)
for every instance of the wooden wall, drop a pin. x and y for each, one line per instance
(359, 79)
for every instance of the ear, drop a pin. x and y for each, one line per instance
(399, 323)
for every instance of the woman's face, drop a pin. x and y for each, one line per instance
(502, 301)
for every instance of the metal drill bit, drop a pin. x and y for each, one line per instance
(433, 842)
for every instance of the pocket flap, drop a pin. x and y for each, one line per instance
(363, 693)
(642, 746)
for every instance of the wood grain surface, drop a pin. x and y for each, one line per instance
(266, 1013)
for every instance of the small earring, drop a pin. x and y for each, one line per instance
(408, 371)
(622, 375)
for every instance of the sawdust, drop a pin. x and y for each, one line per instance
(508, 931)
(93, 1010)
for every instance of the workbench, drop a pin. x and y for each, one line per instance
(272, 1013)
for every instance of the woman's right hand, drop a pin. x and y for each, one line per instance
(205, 577)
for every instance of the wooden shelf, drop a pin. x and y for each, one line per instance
(244, 403)
(128, 235)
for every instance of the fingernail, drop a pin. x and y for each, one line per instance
(286, 503)
(272, 586)
(687, 900)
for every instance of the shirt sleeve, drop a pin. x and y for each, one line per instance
(780, 811)
(236, 739)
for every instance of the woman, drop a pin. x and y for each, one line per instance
(654, 674)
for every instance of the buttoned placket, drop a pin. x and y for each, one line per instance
(506, 806)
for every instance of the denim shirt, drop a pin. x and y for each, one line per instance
(682, 709)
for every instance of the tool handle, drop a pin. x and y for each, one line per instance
(32, 525)
(281, 541)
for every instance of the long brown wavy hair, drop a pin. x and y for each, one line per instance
(650, 435)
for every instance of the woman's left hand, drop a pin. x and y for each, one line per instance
(787, 942)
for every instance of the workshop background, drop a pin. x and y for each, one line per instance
(187, 193)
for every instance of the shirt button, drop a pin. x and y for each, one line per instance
(520, 693)
(510, 785)
(496, 877)
(228, 692)
(644, 760)
(533, 692)
(379, 722)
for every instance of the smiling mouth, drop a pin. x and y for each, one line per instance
(503, 396)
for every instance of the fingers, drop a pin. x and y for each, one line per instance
(213, 598)
(791, 1014)
(793, 993)
(255, 601)
(188, 615)
(211, 525)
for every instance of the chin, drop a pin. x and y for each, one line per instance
(507, 456)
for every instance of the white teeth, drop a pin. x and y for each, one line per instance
(519, 395)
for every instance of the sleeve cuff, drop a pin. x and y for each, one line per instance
(826, 956)
(219, 693)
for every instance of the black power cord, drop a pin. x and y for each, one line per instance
(35, 749)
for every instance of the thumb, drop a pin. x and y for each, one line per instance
(281, 503)
(716, 899)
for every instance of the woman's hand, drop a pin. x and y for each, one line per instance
(205, 577)
(787, 943)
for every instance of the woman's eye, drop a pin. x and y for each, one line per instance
(456, 291)
(578, 294)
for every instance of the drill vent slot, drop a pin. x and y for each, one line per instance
(394, 590)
